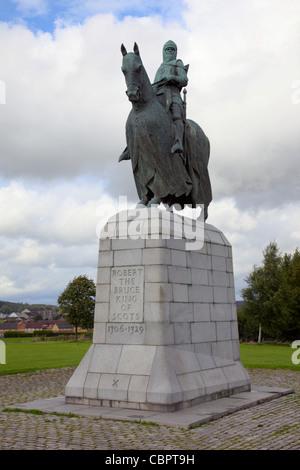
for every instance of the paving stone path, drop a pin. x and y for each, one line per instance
(274, 425)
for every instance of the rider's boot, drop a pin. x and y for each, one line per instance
(178, 147)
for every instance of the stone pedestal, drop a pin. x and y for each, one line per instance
(165, 327)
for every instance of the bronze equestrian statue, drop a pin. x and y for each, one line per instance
(169, 153)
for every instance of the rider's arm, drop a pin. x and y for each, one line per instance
(181, 74)
(180, 78)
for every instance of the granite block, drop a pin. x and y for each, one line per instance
(136, 359)
(218, 263)
(234, 330)
(220, 278)
(160, 256)
(105, 244)
(236, 375)
(201, 311)
(223, 329)
(180, 292)
(155, 243)
(159, 333)
(156, 273)
(192, 385)
(214, 380)
(105, 259)
(221, 312)
(99, 333)
(220, 294)
(199, 276)
(137, 390)
(183, 361)
(113, 387)
(157, 311)
(105, 358)
(127, 244)
(181, 312)
(75, 385)
(91, 385)
(178, 258)
(101, 312)
(102, 293)
(182, 331)
(179, 275)
(198, 293)
(222, 350)
(127, 257)
(158, 292)
(198, 260)
(203, 332)
(103, 276)
(164, 386)
(217, 250)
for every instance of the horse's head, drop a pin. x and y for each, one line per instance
(132, 69)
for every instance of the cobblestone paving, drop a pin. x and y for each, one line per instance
(273, 425)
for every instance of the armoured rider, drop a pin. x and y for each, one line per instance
(170, 78)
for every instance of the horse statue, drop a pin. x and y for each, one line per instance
(160, 175)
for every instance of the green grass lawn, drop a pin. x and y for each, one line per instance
(268, 356)
(28, 356)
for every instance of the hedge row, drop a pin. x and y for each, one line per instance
(20, 334)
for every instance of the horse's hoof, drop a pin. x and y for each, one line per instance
(153, 202)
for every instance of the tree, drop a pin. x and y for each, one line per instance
(272, 297)
(287, 298)
(252, 311)
(77, 302)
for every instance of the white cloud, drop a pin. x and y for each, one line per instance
(62, 212)
(35, 7)
(48, 234)
(63, 128)
(250, 231)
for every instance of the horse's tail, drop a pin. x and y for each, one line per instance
(198, 153)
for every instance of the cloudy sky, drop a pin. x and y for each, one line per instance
(63, 110)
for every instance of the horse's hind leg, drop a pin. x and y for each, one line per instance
(205, 213)
(154, 201)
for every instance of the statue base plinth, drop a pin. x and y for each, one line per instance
(165, 327)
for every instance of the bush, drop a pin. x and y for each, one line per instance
(16, 334)
(40, 335)
(248, 327)
(43, 333)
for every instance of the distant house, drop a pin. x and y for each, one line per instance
(63, 327)
(26, 311)
(24, 316)
(14, 315)
(12, 326)
(39, 312)
(56, 326)
(21, 325)
(32, 326)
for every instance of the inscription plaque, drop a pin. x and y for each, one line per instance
(127, 294)
(125, 333)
